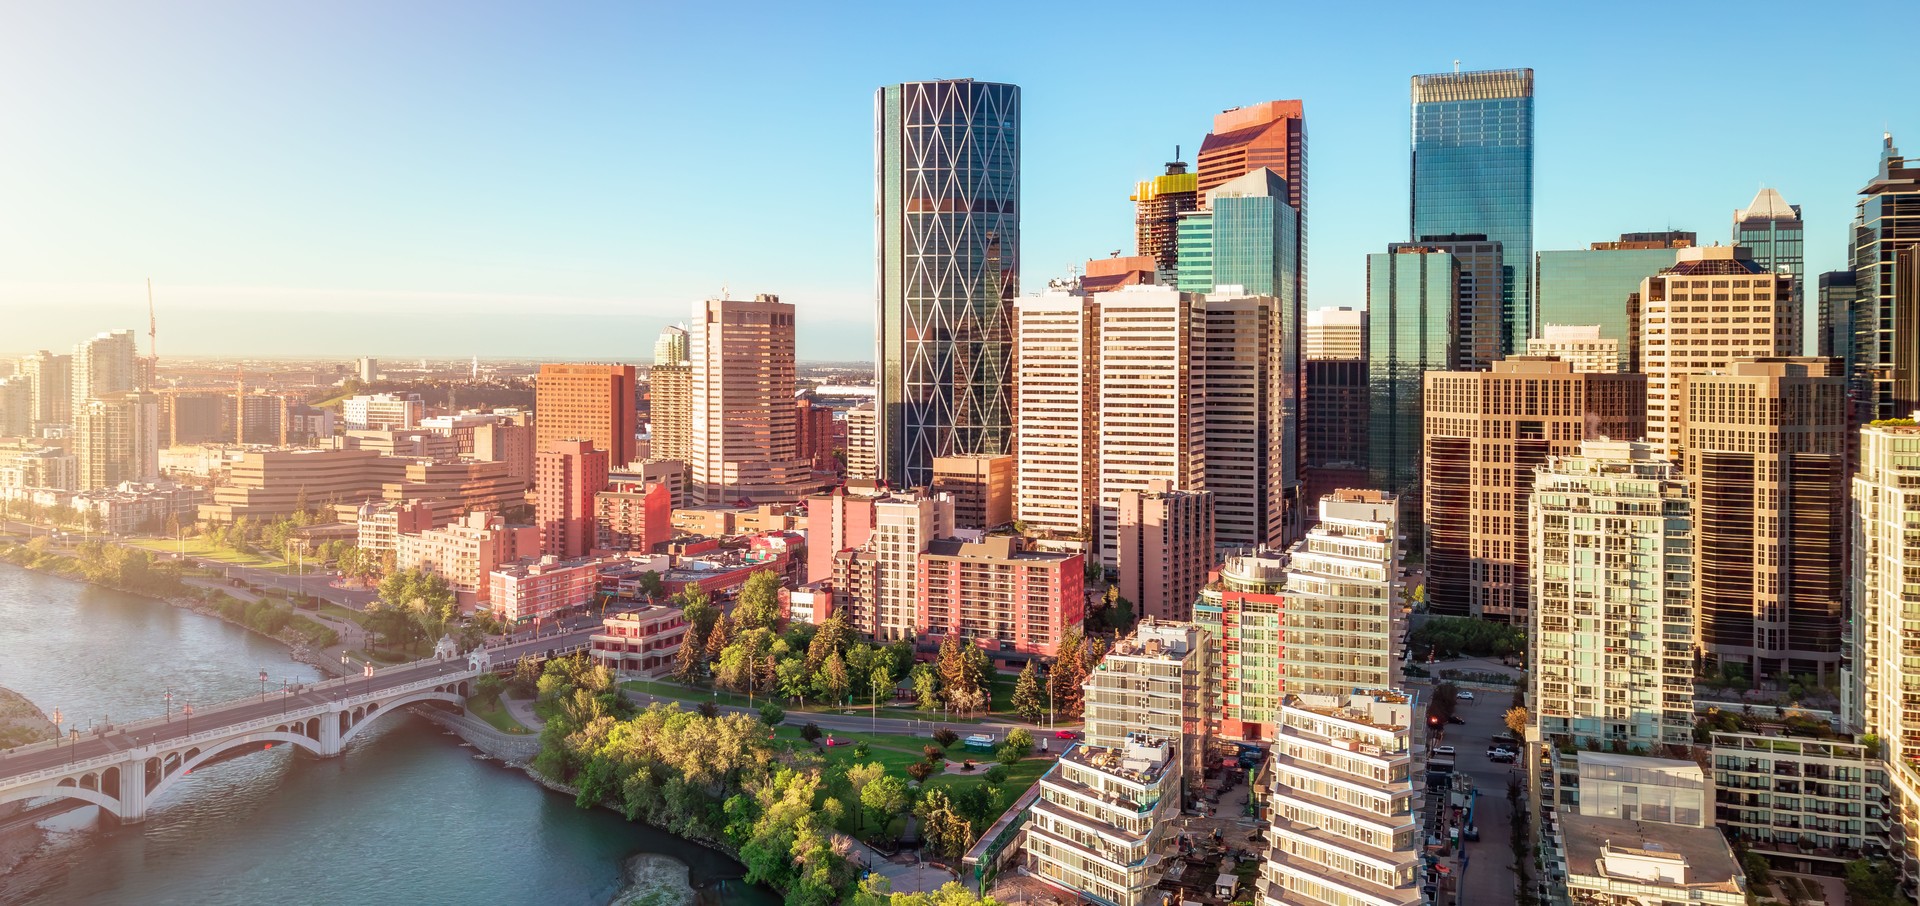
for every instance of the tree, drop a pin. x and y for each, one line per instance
(1020, 740)
(1026, 693)
(921, 770)
(652, 585)
(945, 830)
(686, 661)
(879, 685)
(1443, 702)
(810, 732)
(1871, 883)
(1517, 721)
(792, 679)
(873, 892)
(833, 682)
(772, 714)
(926, 686)
(831, 637)
(945, 736)
(758, 605)
(885, 796)
(858, 777)
(719, 637)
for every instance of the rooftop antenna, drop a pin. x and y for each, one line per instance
(1456, 66)
(153, 339)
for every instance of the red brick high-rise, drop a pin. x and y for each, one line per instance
(815, 443)
(567, 475)
(587, 402)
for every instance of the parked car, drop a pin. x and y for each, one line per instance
(1466, 695)
(1443, 751)
(1065, 734)
(1456, 719)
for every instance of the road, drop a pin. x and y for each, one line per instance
(1489, 873)
(160, 730)
(853, 723)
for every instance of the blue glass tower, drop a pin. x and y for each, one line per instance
(1473, 173)
(947, 244)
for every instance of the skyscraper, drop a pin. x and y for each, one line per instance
(1252, 243)
(1413, 296)
(1236, 378)
(1613, 628)
(50, 383)
(1683, 308)
(1834, 339)
(1592, 285)
(116, 438)
(1056, 464)
(1473, 173)
(745, 427)
(567, 475)
(1776, 234)
(1885, 551)
(670, 412)
(671, 348)
(1149, 426)
(947, 240)
(1486, 432)
(1886, 320)
(1163, 540)
(1335, 333)
(103, 366)
(1766, 449)
(1157, 206)
(587, 402)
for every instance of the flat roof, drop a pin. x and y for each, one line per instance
(1710, 863)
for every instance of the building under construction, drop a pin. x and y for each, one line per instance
(1158, 204)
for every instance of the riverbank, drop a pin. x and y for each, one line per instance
(293, 633)
(21, 722)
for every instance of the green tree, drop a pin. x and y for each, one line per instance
(652, 586)
(772, 714)
(831, 637)
(1871, 883)
(758, 605)
(879, 686)
(885, 796)
(686, 661)
(791, 676)
(874, 892)
(859, 776)
(719, 636)
(832, 683)
(946, 832)
(1020, 741)
(926, 686)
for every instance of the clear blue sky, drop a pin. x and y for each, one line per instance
(560, 180)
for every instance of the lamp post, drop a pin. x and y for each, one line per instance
(168, 695)
(73, 736)
(56, 728)
(263, 684)
(286, 694)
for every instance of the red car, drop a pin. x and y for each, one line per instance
(1066, 734)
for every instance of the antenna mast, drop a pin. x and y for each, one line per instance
(153, 340)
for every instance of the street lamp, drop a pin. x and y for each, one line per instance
(168, 695)
(285, 695)
(263, 684)
(56, 727)
(186, 711)
(73, 734)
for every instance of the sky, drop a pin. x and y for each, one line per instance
(561, 180)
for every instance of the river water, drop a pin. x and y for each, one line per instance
(406, 815)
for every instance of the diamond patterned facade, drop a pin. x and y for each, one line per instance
(947, 244)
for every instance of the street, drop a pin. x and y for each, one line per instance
(1489, 873)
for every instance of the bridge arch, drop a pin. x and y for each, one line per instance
(424, 695)
(65, 788)
(202, 756)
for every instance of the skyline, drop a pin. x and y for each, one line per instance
(416, 164)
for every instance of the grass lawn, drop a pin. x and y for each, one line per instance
(494, 712)
(205, 549)
(343, 613)
(383, 655)
(897, 752)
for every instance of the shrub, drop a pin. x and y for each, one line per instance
(996, 774)
(810, 732)
(934, 753)
(920, 770)
(945, 737)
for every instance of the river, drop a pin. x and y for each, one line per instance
(406, 815)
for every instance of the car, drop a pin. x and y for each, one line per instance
(1502, 756)
(1065, 734)
(1466, 695)
(1456, 719)
(1443, 751)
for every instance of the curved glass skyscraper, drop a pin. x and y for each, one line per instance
(1473, 173)
(947, 246)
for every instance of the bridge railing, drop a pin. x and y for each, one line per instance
(216, 730)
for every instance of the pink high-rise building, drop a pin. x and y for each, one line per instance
(567, 475)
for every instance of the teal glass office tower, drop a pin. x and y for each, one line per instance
(1473, 173)
(1776, 234)
(947, 246)
(1413, 295)
(1591, 285)
(1886, 299)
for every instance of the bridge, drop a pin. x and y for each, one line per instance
(126, 769)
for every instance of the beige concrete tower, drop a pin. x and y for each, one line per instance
(1766, 449)
(1057, 414)
(1149, 427)
(1713, 306)
(744, 423)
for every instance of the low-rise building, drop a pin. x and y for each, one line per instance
(1809, 805)
(380, 525)
(640, 641)
(1617, 860)
(383, 411)
(1102, 824)
(720, 575)
(25, 464)
(466, 552)
(542, 589)
(1000, 596)
(270, 484)
(410, 442)
(812, 604)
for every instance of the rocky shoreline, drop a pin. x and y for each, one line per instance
(21, 722)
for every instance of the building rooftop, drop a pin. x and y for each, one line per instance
(1143, 759)
(1673, 856)
(993, 547)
